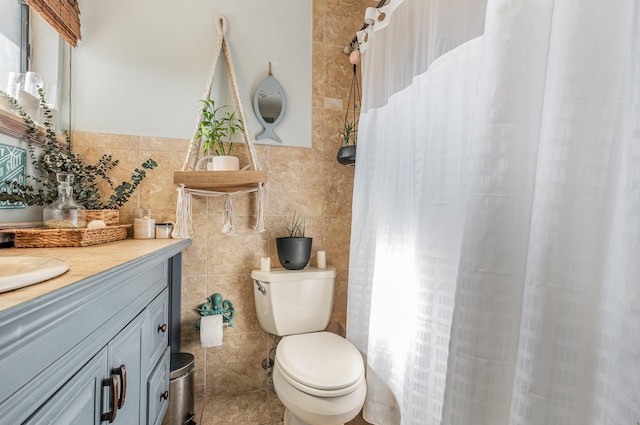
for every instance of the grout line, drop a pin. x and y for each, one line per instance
(266, 375)
(273, 422)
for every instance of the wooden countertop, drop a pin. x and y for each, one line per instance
(84, 262)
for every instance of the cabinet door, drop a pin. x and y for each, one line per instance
(158, 390)
(78, 401)
(125, 360)
(157, 328)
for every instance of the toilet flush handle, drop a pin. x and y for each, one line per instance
(261, 288)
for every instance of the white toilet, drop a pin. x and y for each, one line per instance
(318, 376)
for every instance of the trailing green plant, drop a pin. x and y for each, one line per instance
(296, 230)
(215, 130)
(56, 156)
(349, 133)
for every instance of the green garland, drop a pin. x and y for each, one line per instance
(56, 157)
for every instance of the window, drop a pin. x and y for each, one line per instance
(28, 44)
(14, 32)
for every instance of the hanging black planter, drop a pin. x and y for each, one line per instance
(294, 253)
(347, 155)
(349, 133)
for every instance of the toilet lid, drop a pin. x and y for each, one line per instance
(320, 360)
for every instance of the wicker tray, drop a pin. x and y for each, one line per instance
(52, 238)
(110, 217)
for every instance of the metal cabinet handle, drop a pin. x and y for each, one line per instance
(164, 395)
(122, 372)
(113, 384)
(162, 328)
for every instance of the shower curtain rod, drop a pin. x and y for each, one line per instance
(354, 42)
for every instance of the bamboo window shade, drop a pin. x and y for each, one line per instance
(62, 15)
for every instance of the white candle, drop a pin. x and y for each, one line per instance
(321, 259)
(144, 228)
(265, 264)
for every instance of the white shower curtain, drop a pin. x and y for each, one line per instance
(495, 253)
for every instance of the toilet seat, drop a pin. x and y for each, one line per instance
(320, 363)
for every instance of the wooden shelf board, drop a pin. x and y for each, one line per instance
(219, 181)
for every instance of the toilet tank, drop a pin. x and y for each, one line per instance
(293, 301)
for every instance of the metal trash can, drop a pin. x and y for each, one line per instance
(181, 409)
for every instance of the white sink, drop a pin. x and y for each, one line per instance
(16, 272)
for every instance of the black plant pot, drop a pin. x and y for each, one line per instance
(347, 155)
(294, 253)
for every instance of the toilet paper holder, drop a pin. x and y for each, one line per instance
(216, 305)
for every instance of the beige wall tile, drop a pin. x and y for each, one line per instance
(194, 293)
(163, 144)
(103, 140)
(339, 73)
(343, 19)
(200, 361)
(235, 366)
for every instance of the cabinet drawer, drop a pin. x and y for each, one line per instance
(158, 390)
(157, 328)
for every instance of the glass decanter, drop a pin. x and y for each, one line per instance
(64, 213)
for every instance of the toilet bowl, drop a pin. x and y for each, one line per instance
(319, 377)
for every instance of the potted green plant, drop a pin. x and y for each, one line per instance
(294, 250)
(347, 152)
(55, 157)
(216, 131)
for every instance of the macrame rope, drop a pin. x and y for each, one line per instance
(183, 226)
(227, 216)
(236, 95)
(183, 211)
(260, 222)
(196, 143)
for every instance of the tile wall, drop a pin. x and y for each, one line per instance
(307, 180)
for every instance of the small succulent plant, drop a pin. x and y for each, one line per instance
(296, 230)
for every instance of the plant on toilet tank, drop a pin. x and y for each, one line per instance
(216, 131)
(294, 250)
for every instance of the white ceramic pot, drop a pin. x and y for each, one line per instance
(224, 163)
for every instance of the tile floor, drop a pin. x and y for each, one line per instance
(260, 407)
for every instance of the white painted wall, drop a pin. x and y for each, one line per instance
(142, 65)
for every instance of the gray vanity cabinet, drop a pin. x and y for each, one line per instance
(61, 355)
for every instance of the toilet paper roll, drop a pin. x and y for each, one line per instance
(211, 331)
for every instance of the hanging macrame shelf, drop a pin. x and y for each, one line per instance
(193, 182)
(220, 181)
